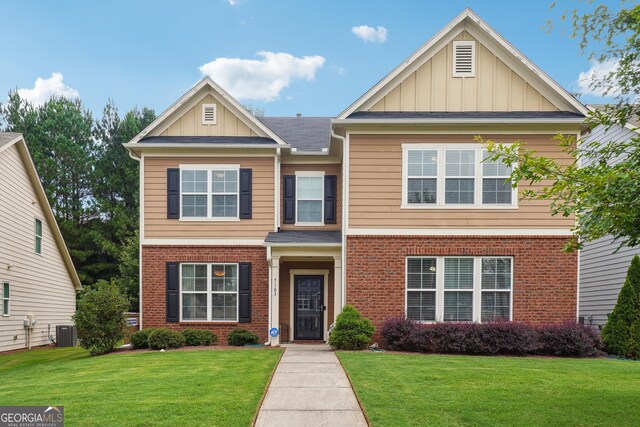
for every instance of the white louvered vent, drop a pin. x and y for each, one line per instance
(464, 59)
(208, 114)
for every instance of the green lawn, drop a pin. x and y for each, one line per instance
(412, 390)
(213, 388)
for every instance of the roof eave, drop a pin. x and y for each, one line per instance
(302, 245)
(454, 121)
(139, 146)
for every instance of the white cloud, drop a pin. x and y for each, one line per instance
(44, 89)
(370, 34)
(597, 71)
(235, 2)
(261, 79)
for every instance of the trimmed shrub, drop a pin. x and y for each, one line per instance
(494, 338)
(100, 318)
(351, 331)
(239, 337)
(195, 337)
(140, 339)
(164, 338)
(569, 340)
(617, 333)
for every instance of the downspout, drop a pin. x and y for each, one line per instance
(345, 217)
(269, 288)
(140, 231)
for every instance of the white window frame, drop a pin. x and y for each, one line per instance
(215, 114)
(440, 197)
(36, 236)
(310, 174)
(502, 177)
(210, 169)
(210, 292)
(471, 43)
(6, 299)
(477, 285)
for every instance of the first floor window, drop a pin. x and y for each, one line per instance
(5, 298)
(209, 292)
(38, 234)
(458, 289)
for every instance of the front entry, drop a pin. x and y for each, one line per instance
(308, 298)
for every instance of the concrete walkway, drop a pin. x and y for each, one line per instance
(310, 388)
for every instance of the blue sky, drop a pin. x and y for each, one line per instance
(148, 53)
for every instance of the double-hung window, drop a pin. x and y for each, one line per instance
(209, 192)
(209, 292)
(309, 198)
(5, 299)
(38, 236)
(459, 289)
(454, 176)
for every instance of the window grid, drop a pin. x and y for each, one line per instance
(422, 173)
(464, 294)
(211, 293)
(209, 192)
(224, 193)
(5, 299)
(310, 199)
(496, 185)
(456, 187)
(38, 236)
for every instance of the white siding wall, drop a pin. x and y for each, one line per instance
(602, 272)
(40, 284)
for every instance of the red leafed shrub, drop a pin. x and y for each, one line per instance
(493, 338)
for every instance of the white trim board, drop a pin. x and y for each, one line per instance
(201, 242)
(459, 232)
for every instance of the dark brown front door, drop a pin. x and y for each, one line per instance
(309, 307)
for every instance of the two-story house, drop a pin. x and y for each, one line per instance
(276, 223)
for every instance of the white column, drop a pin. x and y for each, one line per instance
(337, 286)
(274, 288)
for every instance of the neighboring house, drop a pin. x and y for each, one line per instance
(280, 222)
(603, 268)
(36, 273)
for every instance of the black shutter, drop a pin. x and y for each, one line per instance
(173, 298)
(330, 197)
(245, 193)
(244, 292)
(173, 193)
(289, 199)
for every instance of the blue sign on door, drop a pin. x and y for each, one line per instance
(273, 332)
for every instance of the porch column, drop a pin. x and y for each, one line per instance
(337, 286)
(274, 289)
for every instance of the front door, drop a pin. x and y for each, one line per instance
(309, 307)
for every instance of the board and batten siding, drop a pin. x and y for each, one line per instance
(328, 169)
(375, 187)
(189, 123)
(157, 226)
(602, 271)
(39, 284)
(495, 87)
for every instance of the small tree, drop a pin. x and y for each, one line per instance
(351, 331)
(100, 317)
(621, 334)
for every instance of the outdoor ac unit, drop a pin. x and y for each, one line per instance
(66, 336)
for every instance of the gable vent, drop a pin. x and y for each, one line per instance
(464, 59)
(208, 114)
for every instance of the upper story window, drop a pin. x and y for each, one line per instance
(5, 299)
(209, 192)
(309, 198)
(454, 176)
(38, 236)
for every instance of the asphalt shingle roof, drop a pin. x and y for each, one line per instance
(302, 133)
(465, 115)
(6, 137)
(304, 236)
(240, 140)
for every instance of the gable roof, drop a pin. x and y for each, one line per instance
(230, 102)
(305, 134)
(8, 139)
(470, 21)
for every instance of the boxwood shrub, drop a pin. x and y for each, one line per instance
(351, 331)
(196, 337)
(493, 338)
(239, 337)
(140, 339)
(164, 338)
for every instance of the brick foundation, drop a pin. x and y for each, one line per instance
(154, 259)
(544, 277)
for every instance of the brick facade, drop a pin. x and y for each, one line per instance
(154, 259)
(544, 277)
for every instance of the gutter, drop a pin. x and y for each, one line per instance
(136, 145)
(452, 121)
(345, 209)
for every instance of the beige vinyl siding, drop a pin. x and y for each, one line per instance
(375, 187)
(40, 284)
(190, 122)
(495, 87)
(157, 226)
(328, 169)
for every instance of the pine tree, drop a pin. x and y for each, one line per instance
(621, 334)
